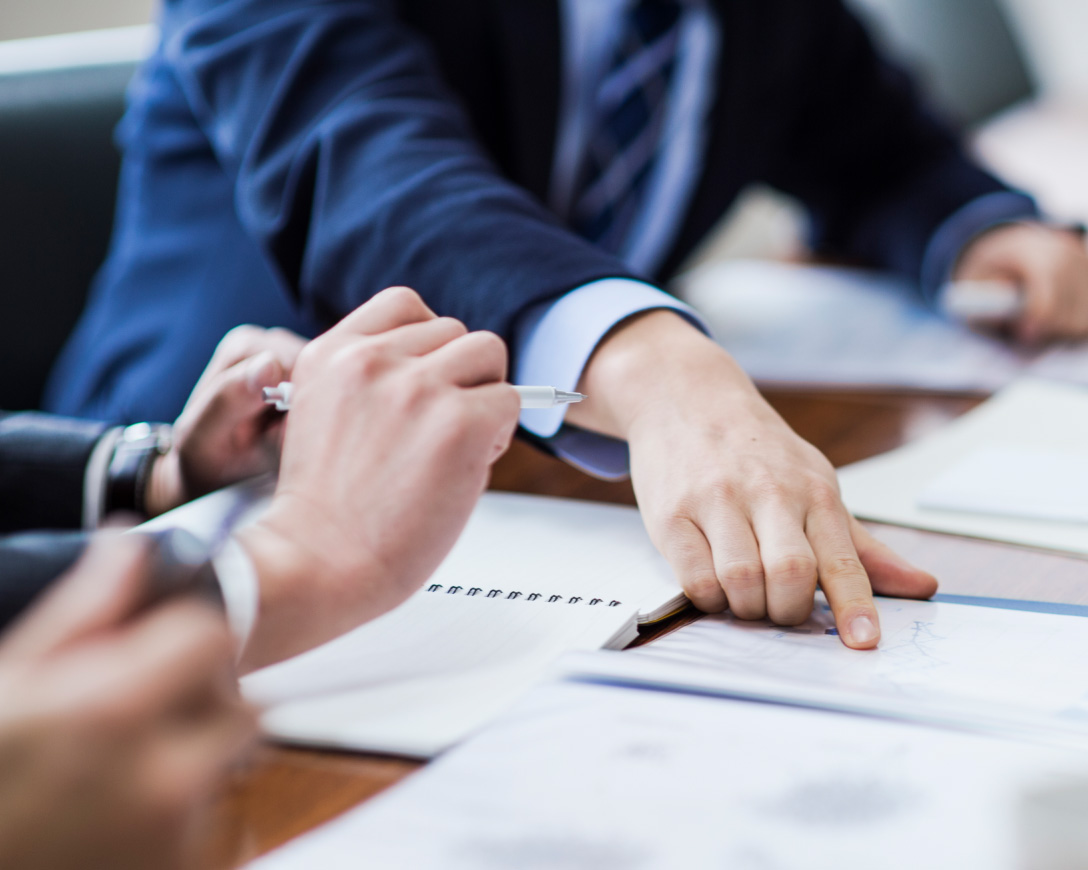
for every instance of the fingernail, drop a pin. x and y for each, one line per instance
(863, 630)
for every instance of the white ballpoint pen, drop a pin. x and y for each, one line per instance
(531, 397)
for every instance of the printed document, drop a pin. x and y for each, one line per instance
(591, 777)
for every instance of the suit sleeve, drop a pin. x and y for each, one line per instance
(43, 463)
(29, 564)
(355, 168)
(877, 171)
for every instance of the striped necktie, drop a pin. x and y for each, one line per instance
(625, 140)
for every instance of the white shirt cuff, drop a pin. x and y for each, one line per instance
(241, 590)
(554, 342)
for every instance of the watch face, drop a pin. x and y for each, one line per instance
(138, 432)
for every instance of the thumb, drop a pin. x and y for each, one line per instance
(889, 573)
(101, 591)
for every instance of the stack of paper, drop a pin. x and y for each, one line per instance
(1014, 470)
(747, 745)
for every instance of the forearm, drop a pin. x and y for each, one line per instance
(878, 170)
(356, 169)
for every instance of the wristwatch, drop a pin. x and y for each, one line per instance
(133, 457)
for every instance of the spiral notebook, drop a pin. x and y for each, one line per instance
(531, 578)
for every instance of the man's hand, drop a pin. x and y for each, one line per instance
(1051, 267)
(747, 513)
(226, 433)
(396, 419)
(114, 728)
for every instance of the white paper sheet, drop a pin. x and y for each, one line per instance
(586, 777)
(1014, 482)
(967, 666)
(1032, 415)
(819, 326)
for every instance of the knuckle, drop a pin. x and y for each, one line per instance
(842, 565)
(310, 356)
(405, 300)
(414, 393)
(491, 344)
(705, 592)
(242, 335)
(676, 516)
(453, 326)
(759, 482)
(824, 495)
(722, 491)
(364, 360)
(792, 614)
(743, 575)
(793, 570)
(748, 610)
(460, 419)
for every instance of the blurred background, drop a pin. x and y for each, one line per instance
(1013, 73)
(977, 55)
(22, 18)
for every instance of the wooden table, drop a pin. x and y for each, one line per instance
(286, 791)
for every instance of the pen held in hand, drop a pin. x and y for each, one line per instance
(531, 397)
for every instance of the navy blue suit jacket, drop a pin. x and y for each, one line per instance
(286, 159)
(42, 465)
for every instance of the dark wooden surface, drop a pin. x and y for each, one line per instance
(286, 792)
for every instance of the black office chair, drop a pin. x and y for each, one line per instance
(58, 179)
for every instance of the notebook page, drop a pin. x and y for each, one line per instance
(581, 776)
(518, 543)
(565, 547)
(425, 675)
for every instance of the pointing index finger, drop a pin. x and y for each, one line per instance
(843, 578)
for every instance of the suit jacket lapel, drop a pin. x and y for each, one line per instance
(530, 37)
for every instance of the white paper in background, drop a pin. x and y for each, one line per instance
(972, 665)
(818, 326)
(584, 777)
(1031, 415)
(1014, 482)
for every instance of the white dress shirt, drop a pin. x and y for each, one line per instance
(555, 341)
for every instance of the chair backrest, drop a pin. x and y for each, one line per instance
(58, 179)
(965, 52)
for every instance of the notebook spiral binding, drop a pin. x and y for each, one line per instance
(475, 591)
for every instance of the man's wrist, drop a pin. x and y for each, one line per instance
(307, 596)
(643, 362)
(164, 485)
